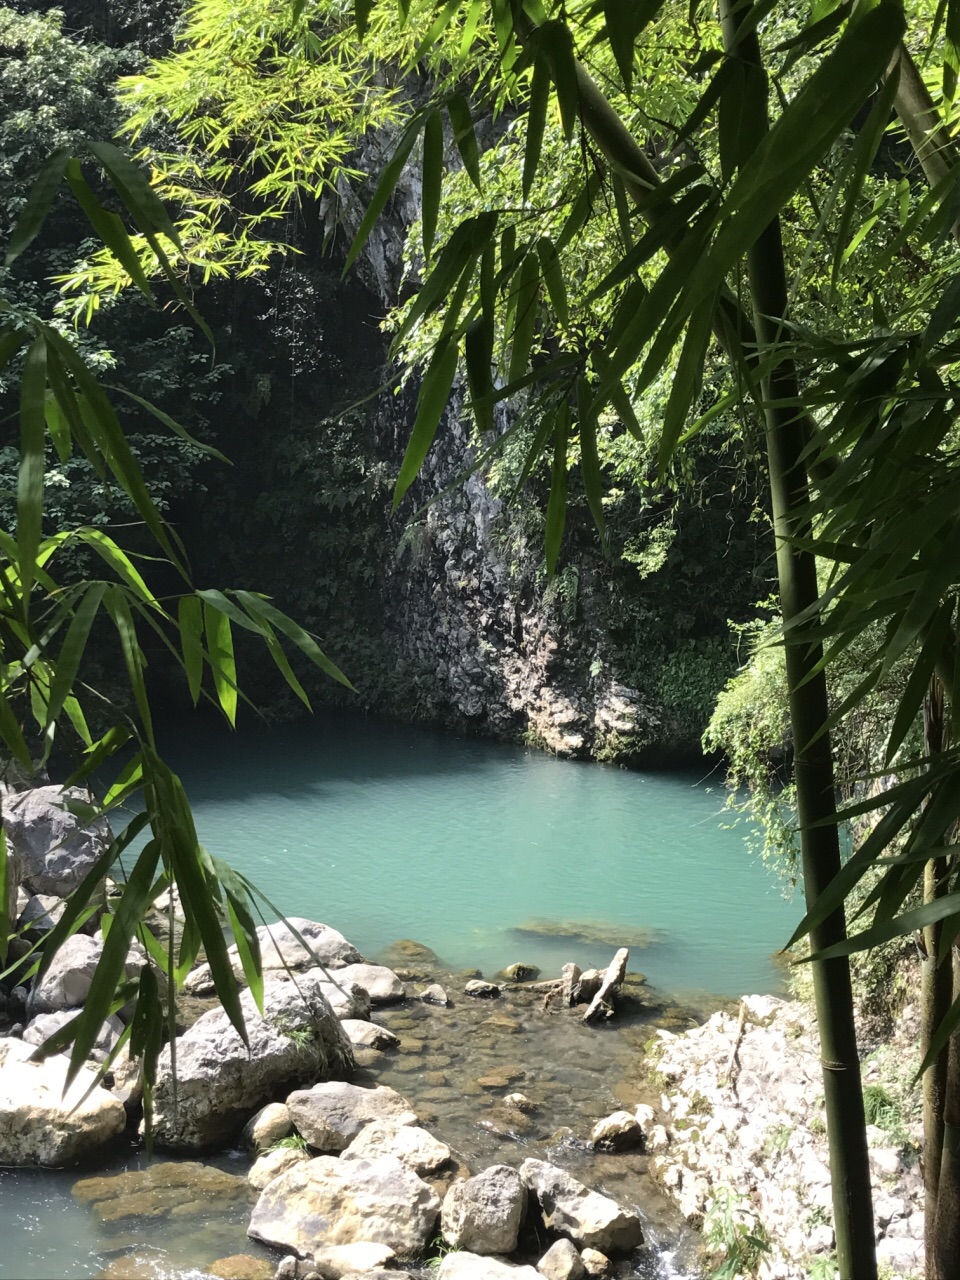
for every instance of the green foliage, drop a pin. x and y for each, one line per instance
(294, 1142)
(732, 1228)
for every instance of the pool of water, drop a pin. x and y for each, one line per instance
(488, 853)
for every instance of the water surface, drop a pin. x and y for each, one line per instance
(388, 831)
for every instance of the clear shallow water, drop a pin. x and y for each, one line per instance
(387, 831)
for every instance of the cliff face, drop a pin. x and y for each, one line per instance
(488, 643)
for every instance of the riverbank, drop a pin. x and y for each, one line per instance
(742, 1146)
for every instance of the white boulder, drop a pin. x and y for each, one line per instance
(570, 1209)
(327, 1201)
(484, 1214)
(330, 1115)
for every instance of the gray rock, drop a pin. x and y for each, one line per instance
(44, 1026)
(561, 1262)
(40, 913)
(471, 1266)
(54, 848)
(42, 1122)
(434, 994)
(521, 972)
(617, 1132)
(220, 1082)
(411, 1145)
(334, 1262)
(66, 984)
(281, 950)
(481, 990)
(369, 1034)
(330, 1115)
(273, 1163)
(381, 984)
(484, 1214)
(594, 1262)
(587, 1218)
(327, 1201)
(269, 1125)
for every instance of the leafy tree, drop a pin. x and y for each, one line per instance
(669, 198)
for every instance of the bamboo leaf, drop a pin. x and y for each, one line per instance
(521, 337)
(687, 382)
(243, 926)
(478, 356)
(117, 606)
(920, 675)
(951, 51)
(461, 126)
(589, 460)
(34, 213)
(432, 179)
(5, 922)
(861, 159)
(557, 502)
(109, 227)
(190, 619)
(536, 121)
(431, 402)
(112, 963)
(73, 649)
(621, 18)
(172, 425)
(293, 631)
(222, 662)
(555, 40)
(361, 13)
(899, 927)
(384, 189)
(33, 386)
(552, 272)
(133, 187)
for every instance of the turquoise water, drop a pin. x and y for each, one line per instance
(387, 831)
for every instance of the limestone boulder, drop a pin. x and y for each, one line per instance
(562, 1261)
(434, 994)
(54, 847)
(220, 1081)
(369, 1035)
(484, 1214)
(411, 1145)
(619, 1131)
(472, 1266)
(381, 984)
(331, 1114)
(269, 1125)
(333, 1262)
(587, 1218)
(272, 1163)
(327, 1201)
(481, 990)
(41, 1123)
(66, 984)
(46, 1024)
(281, 949)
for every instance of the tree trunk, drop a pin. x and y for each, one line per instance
(946, 1242)
(816, 790)
(936, 996)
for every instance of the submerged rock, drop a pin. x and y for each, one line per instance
(184, 1186)
(330, 1115)
(41, 1122)
(327, 1201)
(620, 1131)
(484, 1214)
(520, 973)
(603, 932)
(479, 989)
(573, 1210)
(220, 1082)
(241, 1266)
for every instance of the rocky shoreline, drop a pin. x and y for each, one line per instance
(395, 1115)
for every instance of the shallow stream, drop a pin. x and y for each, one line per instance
(488, 855)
